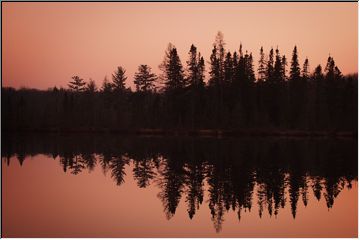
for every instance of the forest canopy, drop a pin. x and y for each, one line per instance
(231, 95)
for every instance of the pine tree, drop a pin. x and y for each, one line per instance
(173, 73)
(332, 83)
(270, 66)
(295, 67)
(330, 67)
(201, 70)
(262, 66)
(214, 69)
(119, 79)
(195, 68)
(283, 67)
(91, 86)
(144, 79)
(77, 85)
(220, 54)
(228, 68)
(318, 75)
(249, 69)
(278, 68)
(297, 88)
(192, 66)
(305, 70)
(107, 87)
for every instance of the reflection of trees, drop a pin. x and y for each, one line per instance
(144, 171)
(117, 167)
(271, 174)
(90, 161)
(171, 182)
(317, 187)
(194, 177)
(73, 162)
(332, 189)
(217, 185)
(76, 163)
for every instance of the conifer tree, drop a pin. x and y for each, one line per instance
(201, 70)
(295, 67)
(77, 85)
(228, 68)
(107, 87)
(305, 70)
(91, 86)
(297, 88)
(173, 73)
(195, 68)
(220, 51)
(283, 66)
(270, 66)
(278, 68)
(262, 66)
(144, 79)
(214, 69)
(192, 66)
(119, 79)
(249, 69)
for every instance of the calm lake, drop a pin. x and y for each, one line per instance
(125, 186)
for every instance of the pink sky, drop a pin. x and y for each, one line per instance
(44, 44)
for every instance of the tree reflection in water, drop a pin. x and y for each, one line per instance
(276, 172)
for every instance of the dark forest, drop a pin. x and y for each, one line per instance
(231, 97)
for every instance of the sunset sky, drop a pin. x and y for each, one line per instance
(45, 44)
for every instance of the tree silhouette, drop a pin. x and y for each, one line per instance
(119, 79)
(77, 85)
(143, 172)
(297, 88)
(227, 100)
(262, 66)
(144, 79)
(195, 68)
(173, 70)
(107, 87)
(91, 86)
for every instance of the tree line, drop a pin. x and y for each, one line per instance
(233, 97)
(271, 174)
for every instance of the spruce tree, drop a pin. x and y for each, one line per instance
(220, 51)
(107, 87)
(295, 67)
(173, 73)
(297, 88)
(119, 79)
(77, 85)
(192, 66)
(305, 70)
(249, 66)
(144, 79)
(195, 68)
(270, 66)
(283, 67)
(228, 68)
(91, 86)
(262, 66)
(201, 70)
(214, 69)
(278, 68)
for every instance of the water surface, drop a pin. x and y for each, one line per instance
(122, 186)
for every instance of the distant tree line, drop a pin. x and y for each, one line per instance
(234, 174)
(233, 97)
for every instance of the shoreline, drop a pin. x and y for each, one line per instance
(196, 132)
